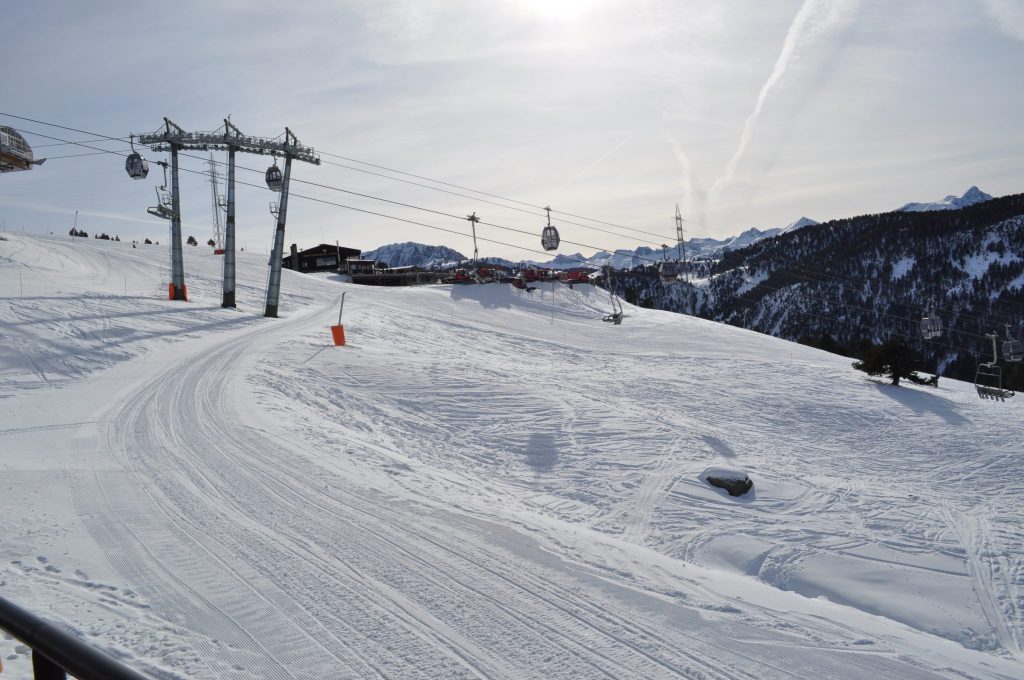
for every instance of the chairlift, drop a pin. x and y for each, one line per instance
(1013, 350)
(931, 323)
(275, 181)
(549, 237)
(931, 327)
(616, 314)
(164, 208)
(989, 378)
(135, 165)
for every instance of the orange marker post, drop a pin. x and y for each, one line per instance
(338, 332)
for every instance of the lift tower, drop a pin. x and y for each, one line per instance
(681, 246)
(291, 150)
(171, 138)
(226, 138)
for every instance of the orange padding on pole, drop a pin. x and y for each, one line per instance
(339, 335)
(170, 292)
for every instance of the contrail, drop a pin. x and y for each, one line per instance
(598, 161)
(796, 31)
(693, 195)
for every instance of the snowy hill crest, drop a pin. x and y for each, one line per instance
(971, 196)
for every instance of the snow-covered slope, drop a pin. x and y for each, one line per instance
(484, 483)
(951, 202)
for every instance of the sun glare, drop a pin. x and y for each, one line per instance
(557, 10)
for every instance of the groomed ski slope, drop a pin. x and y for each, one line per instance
(483, 483)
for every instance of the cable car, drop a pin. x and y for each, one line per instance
(275, 181)
(1013, 350)
(135, 165)
(988, 380)
(668, 271)
(549, 237)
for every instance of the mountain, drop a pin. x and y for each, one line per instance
(800, 224)
(865, 279)
(414, 254)
(972, 196)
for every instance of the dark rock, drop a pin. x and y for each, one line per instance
(735, 486)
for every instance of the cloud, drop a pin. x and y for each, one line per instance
(1008, 16)
(815, 19)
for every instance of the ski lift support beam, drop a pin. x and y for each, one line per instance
(229, 138)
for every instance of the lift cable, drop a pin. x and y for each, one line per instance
(661, 237)
(498, 226)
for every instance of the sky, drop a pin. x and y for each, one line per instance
(745, 113)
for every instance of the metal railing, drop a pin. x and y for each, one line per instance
(55, 653)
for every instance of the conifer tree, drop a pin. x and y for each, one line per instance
(894, 359)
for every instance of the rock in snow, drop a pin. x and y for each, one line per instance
(732, 479)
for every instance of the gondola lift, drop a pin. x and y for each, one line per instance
(549, 237)
(275, 181)
(135, 165)
(668, 270)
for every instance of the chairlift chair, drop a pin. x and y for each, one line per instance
(549, 237)
(164, 206)
(135, 165)
(275, 181)
(988, 380)
(1013, 350)
(616, 314)
(931, 327)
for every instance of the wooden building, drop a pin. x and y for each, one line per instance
(321, 258)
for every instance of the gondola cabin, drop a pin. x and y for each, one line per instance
(549, 238)
(275, 181)
(136, 166)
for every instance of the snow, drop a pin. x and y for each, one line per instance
(800, 224)
(951, 202)
(901, 267)
(483, 483)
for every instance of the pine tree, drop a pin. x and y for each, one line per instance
(894, 359)
(192, 241)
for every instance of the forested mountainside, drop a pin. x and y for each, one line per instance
(864, 279)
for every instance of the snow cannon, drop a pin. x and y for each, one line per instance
(338, 331)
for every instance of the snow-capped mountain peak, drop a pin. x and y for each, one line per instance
(418, 254)
(951, 202)
(799, 224)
